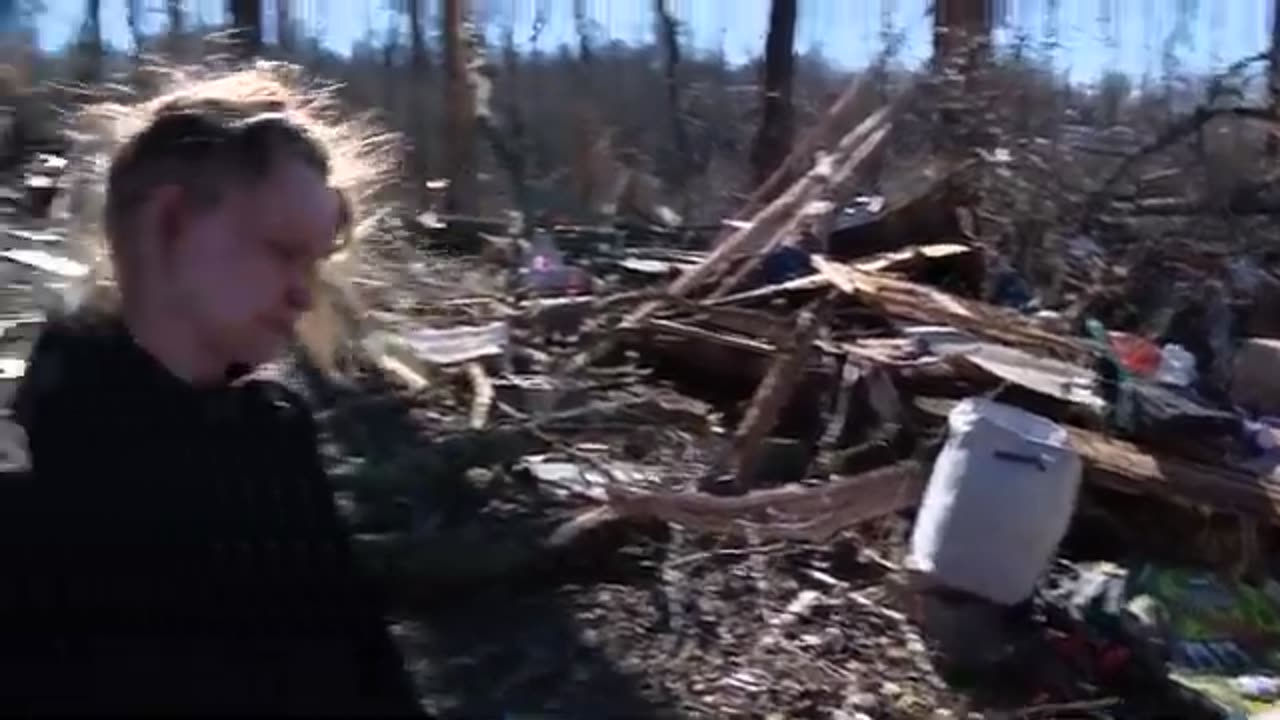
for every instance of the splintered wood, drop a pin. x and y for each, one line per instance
(775, 222)
(912, 301)
(812, 514)
(784, 212)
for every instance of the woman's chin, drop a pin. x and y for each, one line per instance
(263, 350)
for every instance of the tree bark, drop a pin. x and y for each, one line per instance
(773, 142)
(177, 29)
(1273, 76)
(246, 17)
(961, 51)
(460, 105)
(961, 29)
(91, 51)
(284, 25)
(133, 12)
(588, 170)
(417, 80)
(177, 23)
(670, 41)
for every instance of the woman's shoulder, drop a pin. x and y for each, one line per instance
(275, 387)
(67, 355)
(269, 399)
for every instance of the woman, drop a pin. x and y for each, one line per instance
(180, 551)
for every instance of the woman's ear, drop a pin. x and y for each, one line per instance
(163, 218)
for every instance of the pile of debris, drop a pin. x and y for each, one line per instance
(865, 469)
(826, 366)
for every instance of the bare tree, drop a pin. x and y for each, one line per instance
(582, 24)
(175, 40)
(961, 53)
(177, 22)
(587, 124)
(133, 13)
(284, 26)
(670, 41)
(961, 29)
(246, 17)
(773, 142)
(461, 110)
(420, 63)
(90, 50)
(1273, 76)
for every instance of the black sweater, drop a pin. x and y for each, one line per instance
(177, 550)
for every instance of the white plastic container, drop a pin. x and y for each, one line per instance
(999, 500)
(1177, 366)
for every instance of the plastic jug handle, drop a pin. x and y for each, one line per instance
(1035, 460)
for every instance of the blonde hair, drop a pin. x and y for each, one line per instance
(225, 123)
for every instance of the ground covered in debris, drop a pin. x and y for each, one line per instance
(653, 621)
(650, 620)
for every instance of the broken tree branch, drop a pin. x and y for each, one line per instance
(758, 232)
(1187, 126)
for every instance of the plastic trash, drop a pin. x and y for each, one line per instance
(544, 268)
(1177, 366)
(785, 263)
(1262, 436)
(1010, 290)
(1139, 355)
(1113, 370)
(1262, 687)
(998, 502)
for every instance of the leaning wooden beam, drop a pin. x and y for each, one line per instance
(774, 391)
(817, 138)
(828, 197)
(775, 216)
(764, 225)
(778, 214)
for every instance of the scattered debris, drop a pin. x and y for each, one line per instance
(46, 261)
(839, 435)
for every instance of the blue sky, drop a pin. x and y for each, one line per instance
(1092, 35)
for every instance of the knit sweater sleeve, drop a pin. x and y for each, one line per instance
(49, 532)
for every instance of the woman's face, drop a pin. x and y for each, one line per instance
(242, 272)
